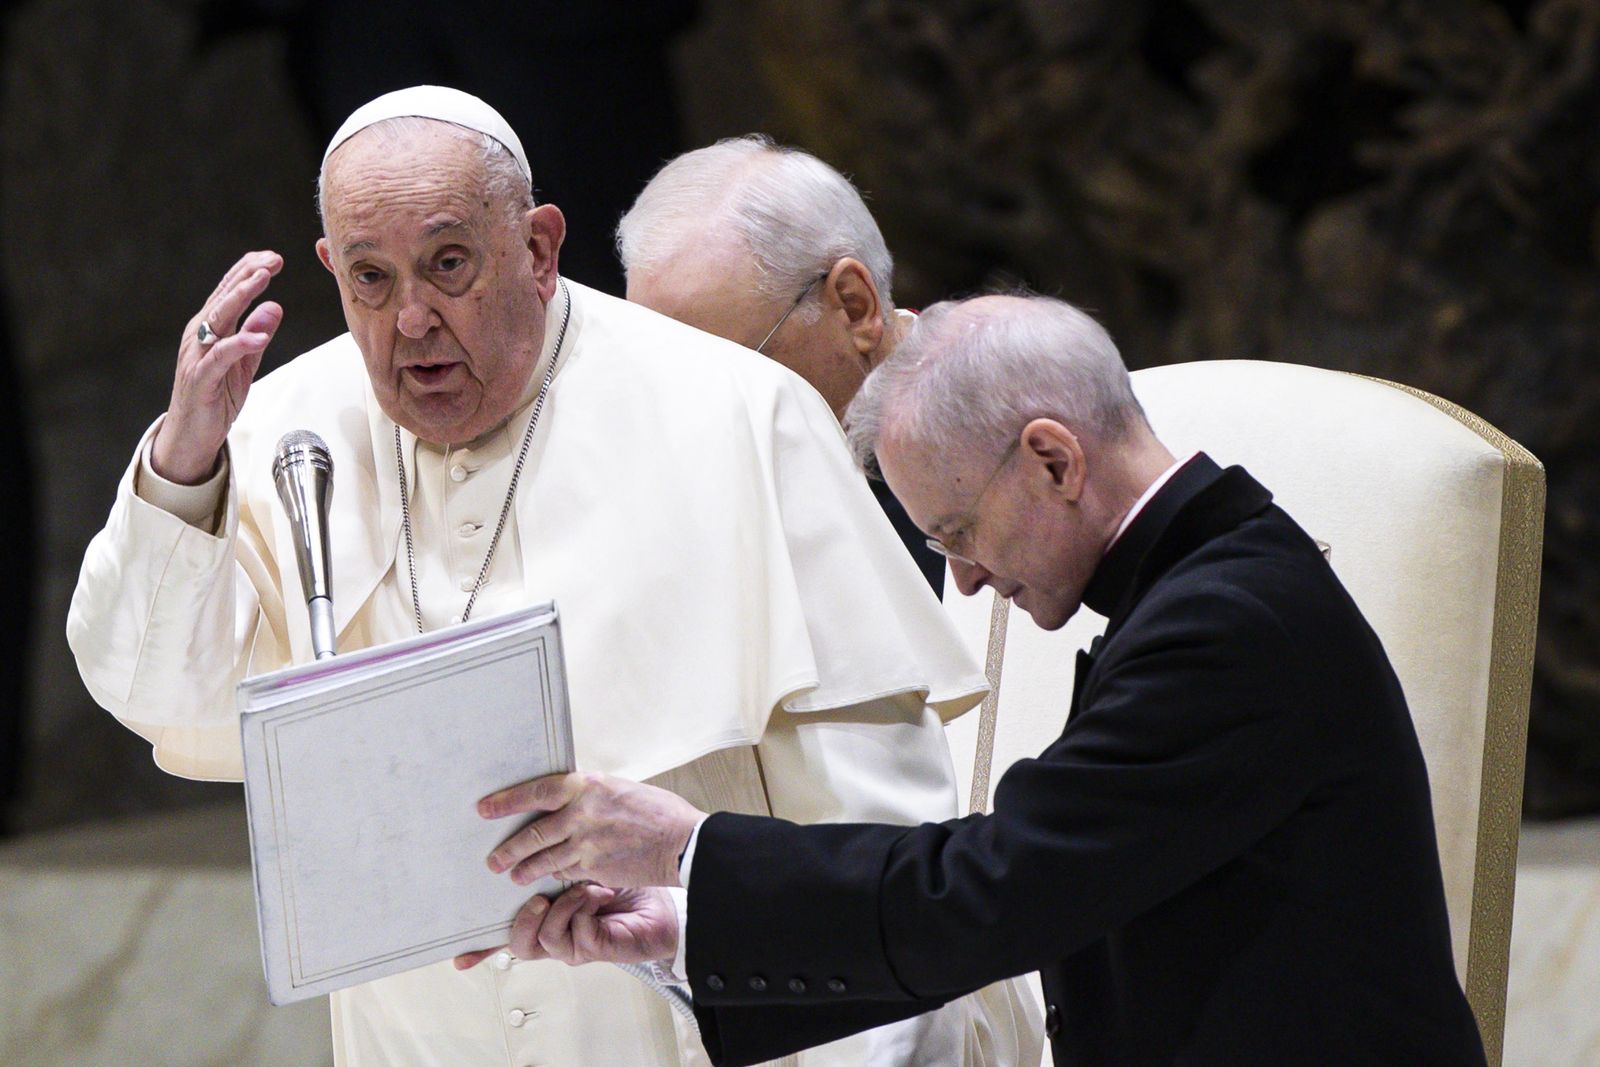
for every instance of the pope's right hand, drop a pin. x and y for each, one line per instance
(213, 378)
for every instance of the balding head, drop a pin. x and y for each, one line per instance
(740, 236)
(970, 373)
(790, 213)
(1008, 428)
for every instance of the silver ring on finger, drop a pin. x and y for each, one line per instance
(205, 334)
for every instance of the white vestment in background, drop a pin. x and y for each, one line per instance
(741, 624)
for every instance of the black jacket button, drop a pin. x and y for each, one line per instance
(797, 985)
(715, 983)
(1052, 1020)
(758, 983)
(836, 985)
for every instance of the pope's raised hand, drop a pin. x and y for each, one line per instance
(215, 370)
(592, 827)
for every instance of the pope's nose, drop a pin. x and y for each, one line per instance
(416, 319)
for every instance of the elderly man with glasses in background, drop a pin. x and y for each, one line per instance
(770, 247)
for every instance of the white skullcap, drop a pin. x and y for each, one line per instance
(433, 102)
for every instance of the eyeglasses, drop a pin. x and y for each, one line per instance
(961, 534)
(812, 284)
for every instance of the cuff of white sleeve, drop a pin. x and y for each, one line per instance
(679, 972)
(680, 901)
(197, 505)
(687, 859)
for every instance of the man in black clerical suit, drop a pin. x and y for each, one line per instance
(1228, 855)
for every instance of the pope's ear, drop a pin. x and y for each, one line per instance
(545, 228)
(325, 254)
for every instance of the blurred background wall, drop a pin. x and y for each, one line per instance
(1410, 190)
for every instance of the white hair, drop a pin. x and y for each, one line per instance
(502, 175)
(972, 373)
(796, 216)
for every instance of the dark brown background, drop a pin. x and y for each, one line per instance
(1405, 189)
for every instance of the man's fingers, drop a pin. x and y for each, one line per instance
(589, 940)
(525, 929)
(570, 923)
(561, 859)
(538, 836)
(265, 318)
(248, 263)
(538, 794)
(211, 368)
(223, 313)
(468, 960)
(555, 933)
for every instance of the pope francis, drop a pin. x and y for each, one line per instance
(741, 624)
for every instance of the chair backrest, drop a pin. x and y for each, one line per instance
(1434, 522)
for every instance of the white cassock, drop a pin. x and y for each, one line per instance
(741, 625)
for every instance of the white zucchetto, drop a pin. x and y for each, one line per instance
(433, 102)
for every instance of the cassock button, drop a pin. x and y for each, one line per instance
(516, 1016)
(1052, 1020)
(458, 473)
(467, 529)
(715, 983)
(455, 619)
(797, 985)
(758, 983)
(467, 584)
(502, 961)
(836, 985)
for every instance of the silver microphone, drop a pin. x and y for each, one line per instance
(303, 472)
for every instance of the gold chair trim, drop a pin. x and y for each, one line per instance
(1505, 746)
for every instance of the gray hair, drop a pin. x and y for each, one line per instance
(502, 176)
(795, 214)
(972, 373)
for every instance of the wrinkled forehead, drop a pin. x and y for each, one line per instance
(417, 174)
(411, 145)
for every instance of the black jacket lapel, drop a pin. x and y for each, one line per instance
(1199, 503)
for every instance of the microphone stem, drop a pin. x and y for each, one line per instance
(321, 626)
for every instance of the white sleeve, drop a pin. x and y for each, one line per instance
(679, 971)
(197, 505)
(163, 618)
(885, 760)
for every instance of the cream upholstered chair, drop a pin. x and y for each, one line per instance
(1433, 520)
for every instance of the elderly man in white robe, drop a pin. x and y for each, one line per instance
(740, 623)
(769, 246)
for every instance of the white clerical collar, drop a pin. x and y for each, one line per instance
(1148, 495)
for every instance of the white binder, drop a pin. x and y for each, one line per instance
(362, 775)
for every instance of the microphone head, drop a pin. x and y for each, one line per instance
(301, 446)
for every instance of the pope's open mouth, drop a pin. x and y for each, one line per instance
(427, 374)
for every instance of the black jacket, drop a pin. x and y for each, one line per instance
(1227, 857)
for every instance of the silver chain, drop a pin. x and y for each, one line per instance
(511, 493)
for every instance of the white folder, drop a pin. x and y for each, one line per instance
(362, 775)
